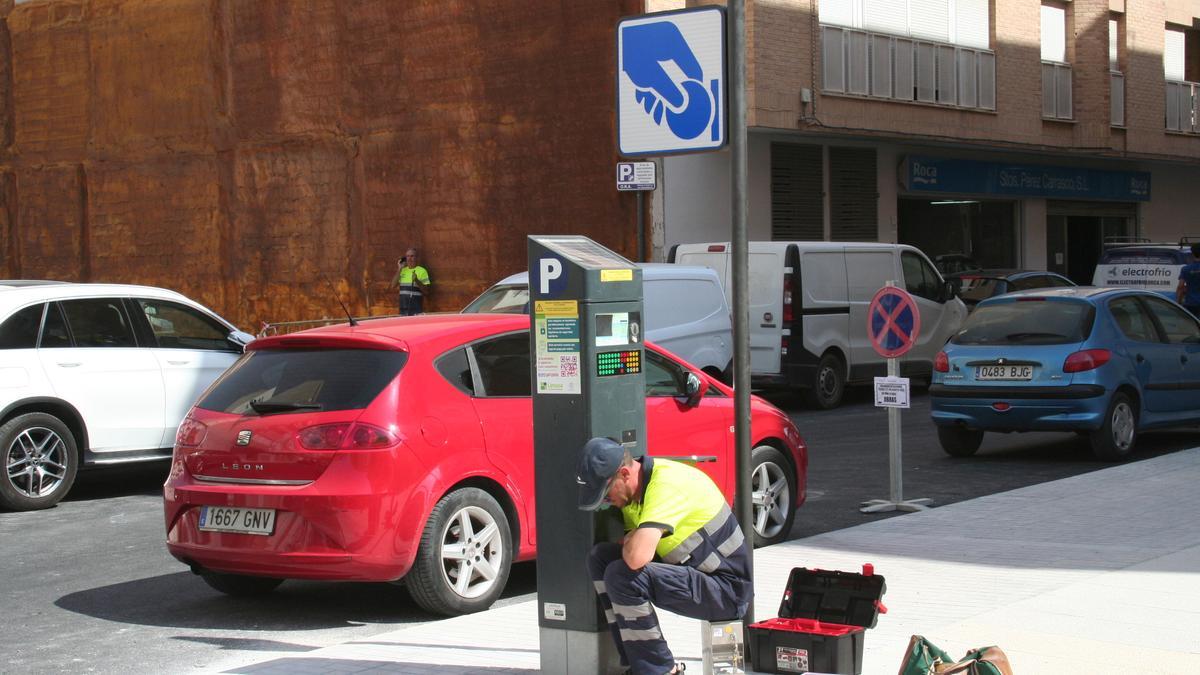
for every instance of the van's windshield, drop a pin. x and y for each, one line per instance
(501, 300)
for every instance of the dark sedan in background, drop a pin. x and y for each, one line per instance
(976, 285)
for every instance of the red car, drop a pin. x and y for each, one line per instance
(403, 449)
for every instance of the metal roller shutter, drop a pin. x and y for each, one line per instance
(853, 194)
(797, 211)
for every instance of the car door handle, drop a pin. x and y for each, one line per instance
(69, 364)
(1183, 358)
(1140, 358)
(178, 363)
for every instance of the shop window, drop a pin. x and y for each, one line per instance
(983, 231)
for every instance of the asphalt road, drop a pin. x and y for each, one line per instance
(89, 587)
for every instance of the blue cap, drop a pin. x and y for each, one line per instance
(601, 459)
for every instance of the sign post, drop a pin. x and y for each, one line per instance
(893, 324)
(638, 177)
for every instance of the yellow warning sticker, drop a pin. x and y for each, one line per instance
(616, 275)
(556, 308)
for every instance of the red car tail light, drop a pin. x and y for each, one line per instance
(941, 362)
(191, 433)
(716, 248)
(1088, 359)
(1001, 406)
(345, 436)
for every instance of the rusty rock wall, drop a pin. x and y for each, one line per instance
(250, 154)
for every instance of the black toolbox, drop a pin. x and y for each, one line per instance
(821, 622)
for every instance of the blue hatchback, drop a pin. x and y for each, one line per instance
(1104, 362)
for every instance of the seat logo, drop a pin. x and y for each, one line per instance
(243, 437)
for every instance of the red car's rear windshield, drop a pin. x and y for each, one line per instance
(1028, 321)
(303, 380)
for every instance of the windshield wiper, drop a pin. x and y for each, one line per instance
(268, 407)
(1018, 337)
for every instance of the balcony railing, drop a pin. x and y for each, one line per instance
(1056, 90)
(1183, 106)
(1116, 97)
(876, 65)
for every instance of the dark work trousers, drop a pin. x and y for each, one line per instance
(626, 596)
(411, 304)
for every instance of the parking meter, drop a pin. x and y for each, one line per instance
(586, 341)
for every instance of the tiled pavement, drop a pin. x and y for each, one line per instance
(1098, 573)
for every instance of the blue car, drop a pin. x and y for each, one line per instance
(1103, 362)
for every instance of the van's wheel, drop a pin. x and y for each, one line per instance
(959, 441)
(1114, 440)
(240, 585)
(828, 384)
(465, 555)
(40, 459)
(774, 488)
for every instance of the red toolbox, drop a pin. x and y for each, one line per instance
(821, 623)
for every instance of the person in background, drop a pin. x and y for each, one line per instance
(1187, 293)
(683, 550)
(413, 281)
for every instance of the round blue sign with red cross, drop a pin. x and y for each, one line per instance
(893, 322)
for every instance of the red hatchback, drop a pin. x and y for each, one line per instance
(403, 449)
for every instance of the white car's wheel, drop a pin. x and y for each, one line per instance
(40, 461)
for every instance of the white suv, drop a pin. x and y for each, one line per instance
(94, 374)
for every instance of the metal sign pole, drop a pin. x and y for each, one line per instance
(744, 506)
(896, 500)
(641, 229)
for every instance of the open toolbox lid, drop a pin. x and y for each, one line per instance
(833, 596)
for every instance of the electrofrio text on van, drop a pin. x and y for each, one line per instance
(808, 311)
(686, 312)
(1148, 266)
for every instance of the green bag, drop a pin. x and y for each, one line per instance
(923, 657)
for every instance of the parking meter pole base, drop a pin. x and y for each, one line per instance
(885, 505)
(574, 652)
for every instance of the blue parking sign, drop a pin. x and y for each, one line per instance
(671, 82)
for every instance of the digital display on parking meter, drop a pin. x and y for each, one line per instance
(619, 363)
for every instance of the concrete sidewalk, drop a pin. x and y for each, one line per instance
(1097, 573)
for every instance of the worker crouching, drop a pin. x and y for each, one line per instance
(682, 550)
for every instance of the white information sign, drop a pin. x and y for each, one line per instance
(636, 176)
(891, 392)
(556, 326)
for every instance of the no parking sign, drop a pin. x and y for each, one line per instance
(893, 322)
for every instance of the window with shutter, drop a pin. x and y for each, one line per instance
(881, 66)
(853, 195)
(856, 62)
(1174, 49)
(797, 193)
(903, 51)
(1054, 34)
(833, 59)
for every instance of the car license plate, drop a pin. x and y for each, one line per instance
(235, 519)
(1005, 372)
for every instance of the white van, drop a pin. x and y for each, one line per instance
(685, 309)
(808, 310)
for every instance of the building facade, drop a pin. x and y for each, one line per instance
(1022, 133)
(270, 158)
